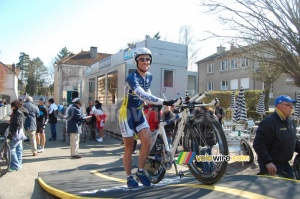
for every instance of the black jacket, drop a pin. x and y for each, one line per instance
(16, 122)
(275, 140)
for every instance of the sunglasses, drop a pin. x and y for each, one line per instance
(291, 106)
(144, 59)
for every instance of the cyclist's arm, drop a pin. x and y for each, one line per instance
(147, 97)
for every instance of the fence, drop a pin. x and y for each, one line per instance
(4, 110)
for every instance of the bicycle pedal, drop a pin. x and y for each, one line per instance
(180, 174)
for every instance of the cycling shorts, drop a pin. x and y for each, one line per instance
(132, 121)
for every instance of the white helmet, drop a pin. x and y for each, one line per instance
(142, 51)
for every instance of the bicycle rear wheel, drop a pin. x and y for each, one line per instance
(296, 166)
(206, 138)
(246, 150)
(4, 159)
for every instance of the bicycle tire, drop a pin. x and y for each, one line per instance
(155, 170)
(194, 141)
(296, 166)
(5, 158)
(83, 134)
(246, 149)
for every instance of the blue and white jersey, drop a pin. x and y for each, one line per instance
(137, 90)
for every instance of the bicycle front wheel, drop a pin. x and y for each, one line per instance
(206, 138)
(4, 159)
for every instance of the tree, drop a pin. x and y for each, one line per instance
(23, 63)
(64, 52)
(156, 36)
(186, 38)
(272, 25)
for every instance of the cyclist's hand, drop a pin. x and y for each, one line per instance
(169, 103)
(271, 168)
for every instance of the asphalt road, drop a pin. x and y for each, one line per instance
(23, 184)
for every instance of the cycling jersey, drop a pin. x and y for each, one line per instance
(137, 91)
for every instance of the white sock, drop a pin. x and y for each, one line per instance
(129, 176)
(140, 169)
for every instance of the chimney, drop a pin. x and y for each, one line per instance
(220, 49)
(13, 67)
(93, 52)
(232, 46)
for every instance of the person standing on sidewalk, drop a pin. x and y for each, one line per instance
(53, 112)
(275, 141)
(131, 117)
(74, 120)
(41, 123)
(30, 122)
(100, 121)
(15, 143)
(92, 124)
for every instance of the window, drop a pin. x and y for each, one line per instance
(210, 86)
(224, 65)
(234, 84)
(245, 83)
(168, 78)
(191, 86)
(92, 86)
(224, 85)
(112, 87)
(244, 62)
(233, 64)
(101, 89)
(210, 68)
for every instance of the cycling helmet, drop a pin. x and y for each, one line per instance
(142, 51)
(42, 99)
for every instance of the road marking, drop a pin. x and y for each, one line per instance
(227, 190)
(60, 193)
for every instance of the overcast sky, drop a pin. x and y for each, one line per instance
(41, 28)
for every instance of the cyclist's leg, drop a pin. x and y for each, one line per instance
(145, 138)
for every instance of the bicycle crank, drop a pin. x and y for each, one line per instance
(166, 161)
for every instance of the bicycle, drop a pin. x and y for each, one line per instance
(65, 134)
(85, 129)
(202, 134)
(5, 150)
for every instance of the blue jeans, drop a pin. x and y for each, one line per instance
(16, 150)
(53, 130)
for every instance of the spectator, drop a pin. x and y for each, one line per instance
(53, 112)
(30, 122)
(92, 124)
(275, 140)
(41, 123)
(219, 112)
(98, 105)
(75, 119)
(16, 136)
(168, 114)
(100, 121)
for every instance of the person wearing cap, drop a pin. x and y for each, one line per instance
(131, 117)
(30, 122)
(53, 112)
(74, 122)
(41, 123)
(275, 141)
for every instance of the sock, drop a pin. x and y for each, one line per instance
(140, 169)
(129, 176)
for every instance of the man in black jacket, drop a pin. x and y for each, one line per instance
(275, 141)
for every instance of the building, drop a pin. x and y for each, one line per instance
(9, 82)
(69, 73)
(228, 70)
(105, 79)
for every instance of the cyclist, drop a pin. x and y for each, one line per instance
(131, 117)
(41, 123)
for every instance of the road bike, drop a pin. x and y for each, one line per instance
(65, 134)
(85, 130)
(202, 135)
(4, 150)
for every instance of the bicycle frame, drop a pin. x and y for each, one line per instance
(180, 131)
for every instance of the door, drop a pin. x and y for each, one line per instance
(168, 84)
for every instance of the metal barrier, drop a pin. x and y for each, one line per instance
(4, 111)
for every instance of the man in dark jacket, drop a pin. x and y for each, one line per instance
(30, 122)
(53, 112)
(41, 123)
(75, 119)
(275, 141)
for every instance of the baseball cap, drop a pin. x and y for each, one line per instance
(284, 98)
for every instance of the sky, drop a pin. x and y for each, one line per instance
(41, 28)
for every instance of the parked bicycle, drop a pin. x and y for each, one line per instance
(4, 150)
(202, 134)
(85, 129)
(65, 134)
